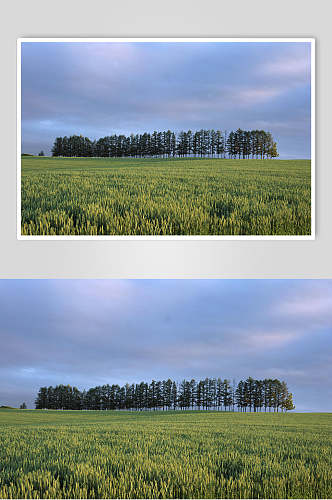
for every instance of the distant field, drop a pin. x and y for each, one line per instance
(108, 454)
(105, 196)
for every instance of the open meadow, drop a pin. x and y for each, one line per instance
(118, 454)
(128, 196)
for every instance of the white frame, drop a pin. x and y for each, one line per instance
(173, 237)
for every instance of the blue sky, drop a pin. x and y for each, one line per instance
(98, 89)
(91, 332)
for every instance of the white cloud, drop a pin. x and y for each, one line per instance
(255, 96)
(314, 303)
(293, 66)
(270, 339)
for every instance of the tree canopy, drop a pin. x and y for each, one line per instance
(166, 144)
(207, 394)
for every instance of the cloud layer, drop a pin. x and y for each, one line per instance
(96, 89)
(89, 332)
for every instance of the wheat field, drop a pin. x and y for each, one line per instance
(165, 197)
(171, 454)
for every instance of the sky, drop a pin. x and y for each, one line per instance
(92, 332)
(99, 89)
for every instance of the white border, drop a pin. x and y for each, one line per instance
(173, 237)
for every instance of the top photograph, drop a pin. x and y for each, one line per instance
(165, 138)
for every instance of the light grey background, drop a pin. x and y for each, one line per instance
(165, 259)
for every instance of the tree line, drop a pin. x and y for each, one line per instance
(207, 394)
(203, 143)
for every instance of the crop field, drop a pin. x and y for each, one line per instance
(105, 196)
(109, 454)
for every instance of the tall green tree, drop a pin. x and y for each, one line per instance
(206, 394)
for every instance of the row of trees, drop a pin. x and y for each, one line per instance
(203, 143)
(207, 394)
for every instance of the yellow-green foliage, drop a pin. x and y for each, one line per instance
(68, 454)
(103, 196)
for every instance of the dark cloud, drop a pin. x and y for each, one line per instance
(97, 89)
(88, 332)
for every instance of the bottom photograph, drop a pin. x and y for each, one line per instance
(166, 389)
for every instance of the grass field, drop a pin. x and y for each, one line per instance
(67, 454)
(104, 196)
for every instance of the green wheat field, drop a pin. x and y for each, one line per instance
(128, 196)
(174, 454)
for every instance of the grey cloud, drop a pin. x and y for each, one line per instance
(86, 332)
(98, 89)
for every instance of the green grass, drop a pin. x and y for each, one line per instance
(103, 196)
(67, 454)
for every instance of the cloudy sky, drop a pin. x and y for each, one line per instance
(91, 332)
(98, 89)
